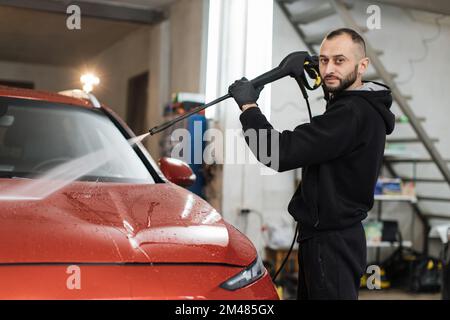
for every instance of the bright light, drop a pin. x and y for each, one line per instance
(259, 35)
(212, 60)
(89, 80)
(239, 43)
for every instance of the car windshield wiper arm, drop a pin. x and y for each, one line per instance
(14, 174)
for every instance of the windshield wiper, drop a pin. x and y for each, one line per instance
(90, 178)
(14, 174)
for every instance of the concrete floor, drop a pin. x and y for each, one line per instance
(396, 294)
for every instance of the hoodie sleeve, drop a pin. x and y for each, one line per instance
(328, 136)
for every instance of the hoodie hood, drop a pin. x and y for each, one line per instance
(379, 97)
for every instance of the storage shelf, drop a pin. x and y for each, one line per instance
(388, 197)
(400, 153)
(387, 244)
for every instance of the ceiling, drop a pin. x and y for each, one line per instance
(148, 4)
(37, 37)
(35, 31)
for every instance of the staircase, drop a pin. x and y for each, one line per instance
(304, 15)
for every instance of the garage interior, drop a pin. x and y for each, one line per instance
(153, 56)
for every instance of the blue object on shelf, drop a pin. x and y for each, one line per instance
(379, 187)
(388, 186)
(392, 187)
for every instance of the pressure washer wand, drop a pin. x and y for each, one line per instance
(294, 65)
(164, 126)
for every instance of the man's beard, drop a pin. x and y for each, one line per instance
(344, 83)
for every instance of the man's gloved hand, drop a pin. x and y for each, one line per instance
(243, 92)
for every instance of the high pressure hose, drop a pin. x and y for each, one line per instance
(297, 225)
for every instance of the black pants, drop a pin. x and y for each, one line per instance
(331, 264)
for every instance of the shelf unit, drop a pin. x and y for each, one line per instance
(387, 244)
(388, 197)
(380, 198)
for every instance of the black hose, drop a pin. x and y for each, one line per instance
(305, 96)
(287, 255)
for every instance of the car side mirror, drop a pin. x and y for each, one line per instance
(177, 171)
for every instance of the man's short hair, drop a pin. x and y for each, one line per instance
(356, 37)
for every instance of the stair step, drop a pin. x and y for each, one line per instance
(363, 29)
(288, 1)
(405, 119)
(316, 13)
(315, 38)
(409, 140)
(436, 215)
(425, 180)
(427, 198)
(375, 76)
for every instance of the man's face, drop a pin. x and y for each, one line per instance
(341, 63)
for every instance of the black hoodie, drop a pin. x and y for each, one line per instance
(341, 153)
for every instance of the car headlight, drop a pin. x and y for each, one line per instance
(252, 273)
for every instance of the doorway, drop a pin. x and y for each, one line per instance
(137, 97)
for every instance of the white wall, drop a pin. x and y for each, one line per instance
(44, 77)
(115, 65)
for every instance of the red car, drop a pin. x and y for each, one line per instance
(85, 214)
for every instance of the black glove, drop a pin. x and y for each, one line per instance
(243, 92)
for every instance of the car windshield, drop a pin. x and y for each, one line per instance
(65, 142)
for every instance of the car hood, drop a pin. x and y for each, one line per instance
(92, 222)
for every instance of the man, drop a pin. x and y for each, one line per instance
(341, 154)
